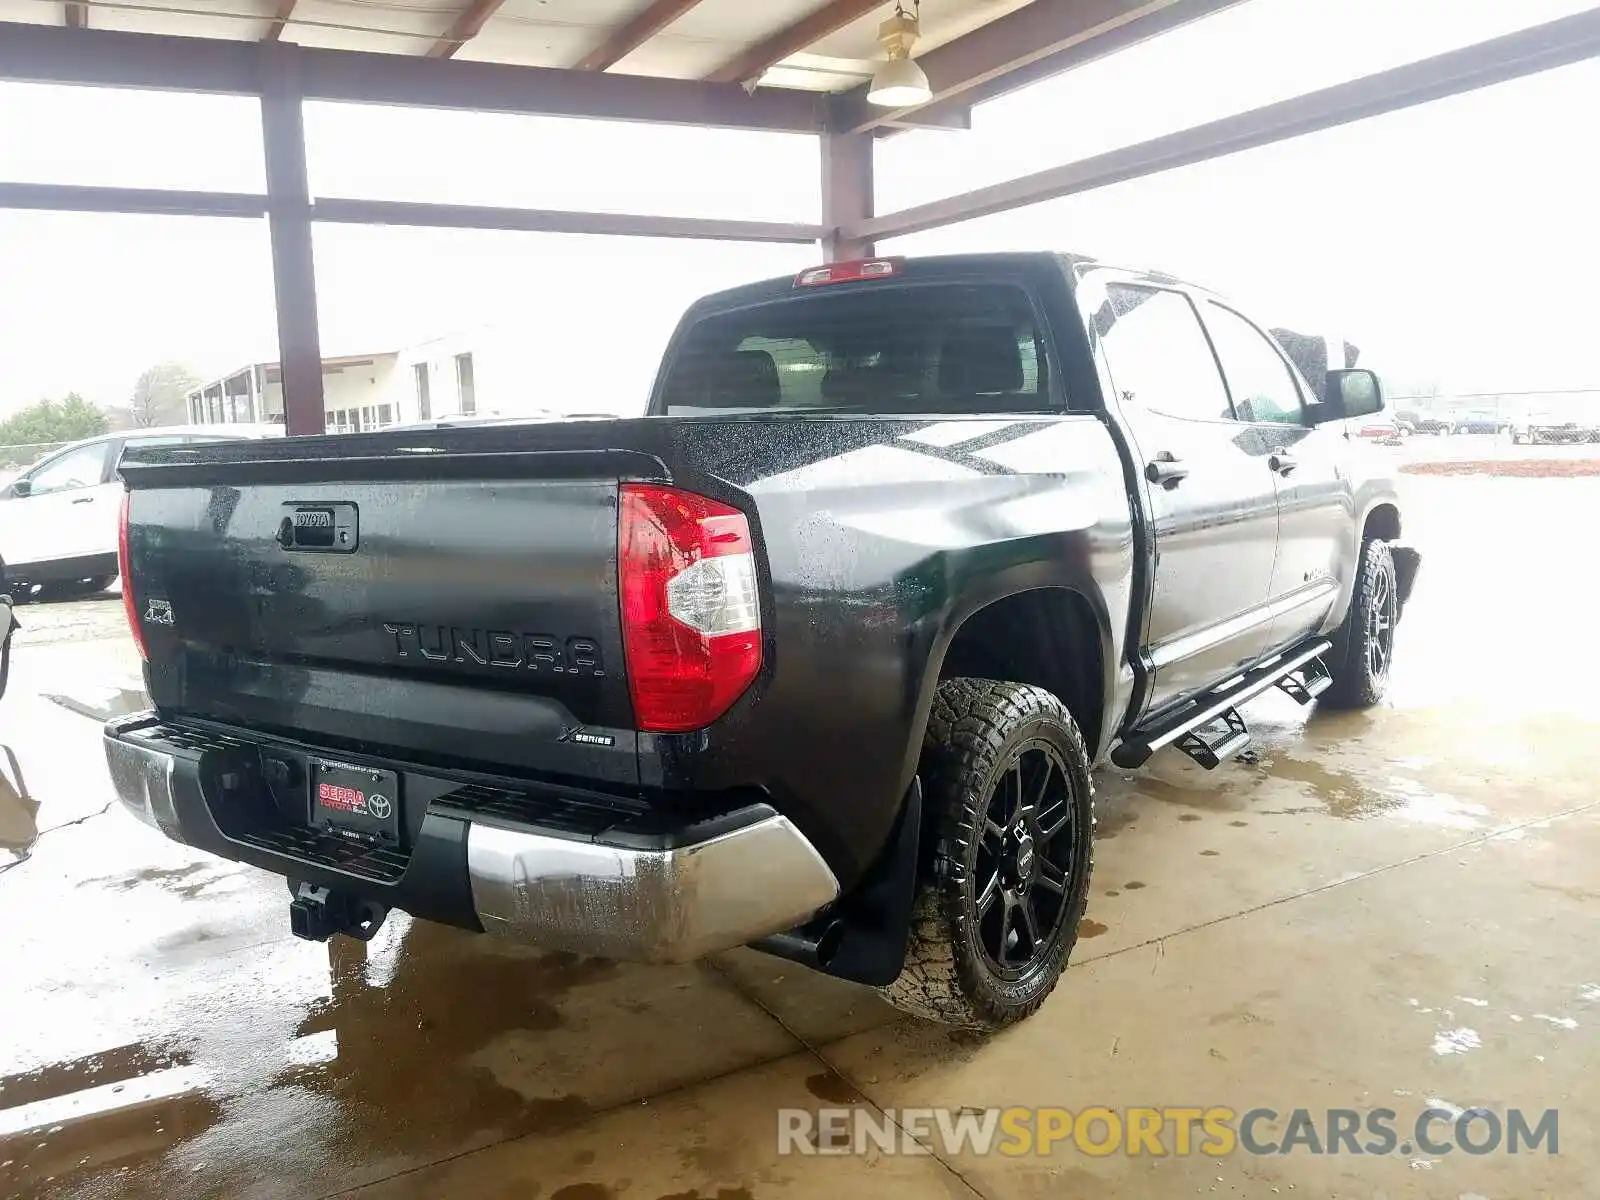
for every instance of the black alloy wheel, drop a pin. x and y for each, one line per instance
(1009, 813)
(1024, 861)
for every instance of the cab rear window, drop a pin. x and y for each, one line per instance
(953, 348)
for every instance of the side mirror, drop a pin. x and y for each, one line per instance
(21, 487)
(1349, 393)
(1360, 393)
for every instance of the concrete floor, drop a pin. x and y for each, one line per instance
(1389, 909)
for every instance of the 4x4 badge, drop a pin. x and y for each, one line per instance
(158, 612)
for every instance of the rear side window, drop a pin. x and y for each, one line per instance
(1158, 354)
(953, 348)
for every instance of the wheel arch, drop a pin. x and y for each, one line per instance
(1382, 521)
(1052, 635)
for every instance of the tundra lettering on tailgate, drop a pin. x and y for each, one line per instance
(503, 648)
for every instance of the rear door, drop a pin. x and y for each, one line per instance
(1210, 491)
(1316, 518)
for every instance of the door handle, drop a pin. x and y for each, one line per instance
(1282, 463)
(84, 500)
(1166, 469)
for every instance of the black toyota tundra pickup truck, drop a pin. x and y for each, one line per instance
(817, 656)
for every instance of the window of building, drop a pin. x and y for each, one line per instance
(1158, 354)
(419, 372)
(466, 387)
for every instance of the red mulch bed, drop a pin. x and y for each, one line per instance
(1532, 468)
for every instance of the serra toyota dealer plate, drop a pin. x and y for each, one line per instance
(355, 801)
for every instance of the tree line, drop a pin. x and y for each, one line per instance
(157, 398)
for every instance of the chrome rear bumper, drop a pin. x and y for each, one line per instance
(673, 899)
(652, 905)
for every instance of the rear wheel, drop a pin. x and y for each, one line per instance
(1363, 650)
(1006, 773)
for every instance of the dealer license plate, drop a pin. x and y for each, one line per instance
(355, 801)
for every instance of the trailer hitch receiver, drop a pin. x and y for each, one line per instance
(317, 913)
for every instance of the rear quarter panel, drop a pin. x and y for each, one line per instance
(879, 538)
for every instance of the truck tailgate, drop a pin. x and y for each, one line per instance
(441, 609)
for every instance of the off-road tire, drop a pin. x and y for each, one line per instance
(1355, 684)
(975, 731)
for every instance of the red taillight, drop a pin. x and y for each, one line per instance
(848, 272)
(128, 605)
(691, 617)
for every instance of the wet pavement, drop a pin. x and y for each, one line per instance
(1389, 909)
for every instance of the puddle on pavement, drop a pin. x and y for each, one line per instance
(582, 1191)
(377, 1069)
(1304, 757)
(833, 1088)
(186, 882)
(132, 1102)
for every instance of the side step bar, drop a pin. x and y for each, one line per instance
(1301, 673)
(1309, 682)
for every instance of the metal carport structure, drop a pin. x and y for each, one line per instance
(749, 67)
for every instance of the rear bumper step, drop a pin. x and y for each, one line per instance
(557, 871)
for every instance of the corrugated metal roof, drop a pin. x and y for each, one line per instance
(542, 33)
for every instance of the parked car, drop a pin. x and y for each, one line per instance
(1547, 427)
(1433, 423)
(58, 518)
(817, 656)
(1480, 422)
(1381, 430)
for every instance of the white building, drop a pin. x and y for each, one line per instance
(492, 369)
(359, 391)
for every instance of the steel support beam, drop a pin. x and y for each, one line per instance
(289, 223)
(1036, 41)
(48, 54)
(60, 197)
(54, 197)
(1528, 52)
(847, 194)
(535, 220)
(630, 35)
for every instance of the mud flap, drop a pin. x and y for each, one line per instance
(1406, 563)
(864, 937)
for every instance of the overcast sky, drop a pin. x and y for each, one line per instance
(1447, 241)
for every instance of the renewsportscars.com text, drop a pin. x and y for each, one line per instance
(1159, 1132)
